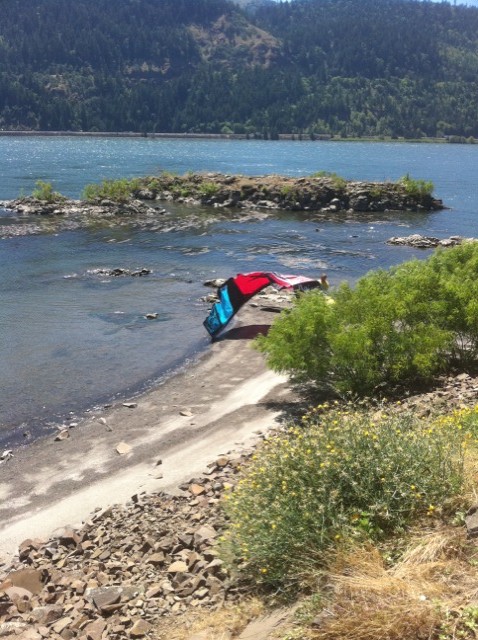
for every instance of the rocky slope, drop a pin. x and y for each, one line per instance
(129, 568)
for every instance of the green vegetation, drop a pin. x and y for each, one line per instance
(350, 68)
(427, 325)
(341, 476)
(115, 190)
(208, 189)
(337, 181)
(362, 504)
(44, 192)
(416, 188)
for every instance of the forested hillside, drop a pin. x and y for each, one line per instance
(347, 67)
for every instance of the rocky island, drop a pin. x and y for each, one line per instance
(141, 200)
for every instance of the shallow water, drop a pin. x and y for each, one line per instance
(69, 339)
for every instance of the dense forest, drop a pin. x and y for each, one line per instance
(342, 67)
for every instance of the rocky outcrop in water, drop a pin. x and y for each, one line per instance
(233, 196)
(326, 193)
(118, 272)
(30, 206)
(428, 242)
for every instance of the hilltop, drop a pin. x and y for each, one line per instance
(397, 68)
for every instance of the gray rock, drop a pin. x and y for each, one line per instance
(471, 522)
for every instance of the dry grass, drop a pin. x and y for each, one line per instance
(220, 624)
(434, 581)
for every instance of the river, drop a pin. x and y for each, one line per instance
(70, 340)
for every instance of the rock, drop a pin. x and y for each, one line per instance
(30, 634)
(12, 629)
(206, 533)
(151, 316)
(103, 597)
(6, 455)
(123, 448)
(27, 546)
(156, 559)
(130, 405)
(427, 242)
(49, 614)
(29, 579)
(94, 630)
(186, 412)
(62, 624)
(64, 434)
(196, 489)
(140, 629)
(67, 537)
(155, 591)
(178, 567)
(471, 522)
(216, 282)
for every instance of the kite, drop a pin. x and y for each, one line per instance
(238, 290)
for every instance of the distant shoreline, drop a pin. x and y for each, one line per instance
(297, 137)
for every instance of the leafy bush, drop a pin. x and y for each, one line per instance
(338, 182)
(208, 189)
(44, 192)
(395, 329)
(299, 341)
(340, 475)
(115, 190)
(416, 188)
(456, 273)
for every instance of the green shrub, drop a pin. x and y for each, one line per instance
(385, 333)
(115, 190)
(456, 270)
(338, 182)
(416, 188)
(298, 341)
(44, 192)
(208, 189)
(340, 475)
(394, 329)
(288, 191)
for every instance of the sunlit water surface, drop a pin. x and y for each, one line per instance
(70, 340)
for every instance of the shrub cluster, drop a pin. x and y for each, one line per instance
(115, 190)
(341, 475)
(45, 193)
(416, 188)
(393, 330)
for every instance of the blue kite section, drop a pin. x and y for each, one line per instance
(221, 312)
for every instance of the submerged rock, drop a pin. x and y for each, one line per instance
(119, 271)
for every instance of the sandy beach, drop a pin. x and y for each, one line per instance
(216, 404)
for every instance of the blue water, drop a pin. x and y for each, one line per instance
(70, 340)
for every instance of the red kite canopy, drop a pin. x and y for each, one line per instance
(238, 290)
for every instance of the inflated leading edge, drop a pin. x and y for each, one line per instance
(238, 290)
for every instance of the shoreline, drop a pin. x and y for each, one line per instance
(293, 137)
(49, 424)
(166, 436)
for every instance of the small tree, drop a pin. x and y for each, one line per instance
(396, 328)
(44, 192)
